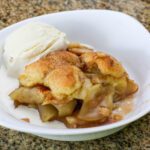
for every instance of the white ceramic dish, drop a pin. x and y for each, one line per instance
(113, 32)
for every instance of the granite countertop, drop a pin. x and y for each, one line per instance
(134, 137)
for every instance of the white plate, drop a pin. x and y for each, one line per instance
(114, 33)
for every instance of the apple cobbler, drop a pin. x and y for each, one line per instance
(77, 86)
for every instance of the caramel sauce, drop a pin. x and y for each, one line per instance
(26, 120)
(124, 106)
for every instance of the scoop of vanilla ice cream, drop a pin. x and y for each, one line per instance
(29, 43)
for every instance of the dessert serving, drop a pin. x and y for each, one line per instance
(72, 83)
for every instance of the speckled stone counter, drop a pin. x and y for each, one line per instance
(134, 137)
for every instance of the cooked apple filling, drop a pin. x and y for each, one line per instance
(78, 87)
